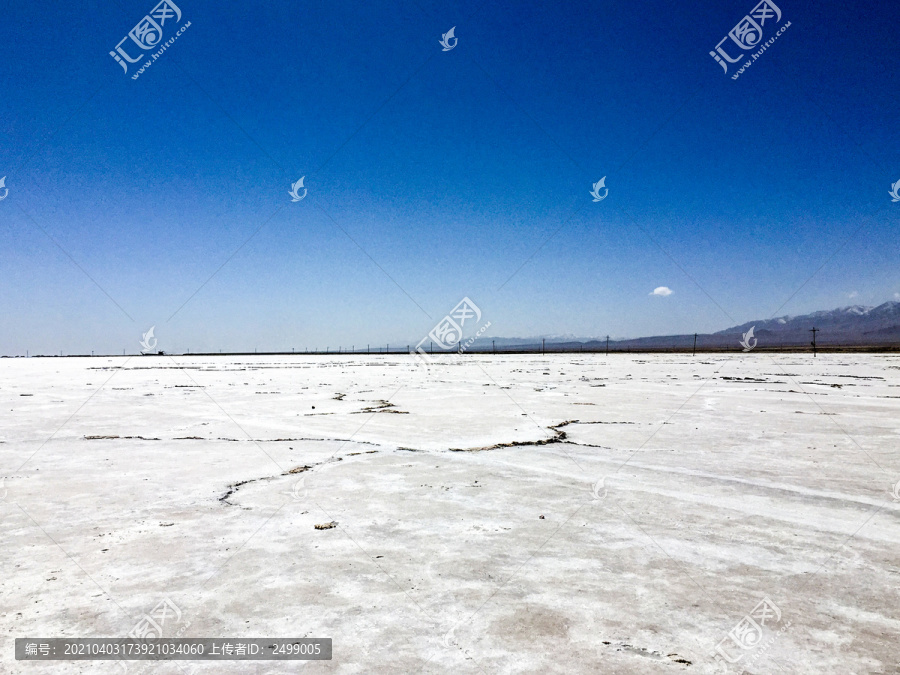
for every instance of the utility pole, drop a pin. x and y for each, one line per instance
(694, 352)
(813, 343)
(493, 347)
(432, 347)
(607, 345)
(542, 346)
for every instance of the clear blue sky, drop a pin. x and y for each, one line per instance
(434, 175)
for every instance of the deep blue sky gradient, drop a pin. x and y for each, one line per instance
(448, 169)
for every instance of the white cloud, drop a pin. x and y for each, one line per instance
(897, 296)
(662, 291)
(853, 294)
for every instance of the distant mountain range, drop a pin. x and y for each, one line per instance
(852, 325)
(856, 325)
